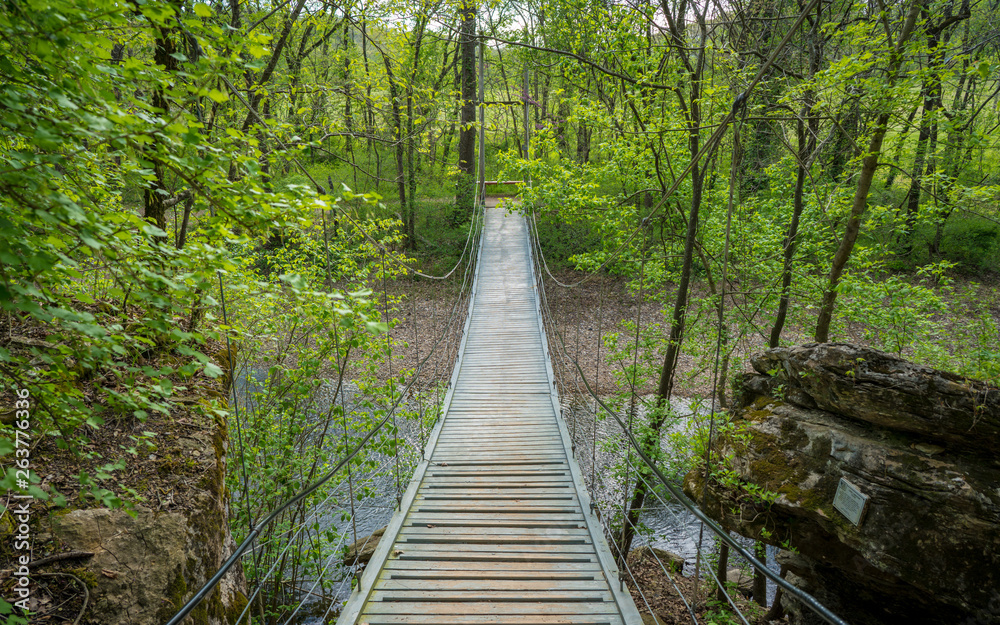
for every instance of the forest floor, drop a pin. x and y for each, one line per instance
(661, 596)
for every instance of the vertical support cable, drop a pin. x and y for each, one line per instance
(343, 413)
(579, 321)
(236, 406)
(437, 382)
(416, 342)
(597, 388)
(626, 509)
(734, 163)
(392, 380)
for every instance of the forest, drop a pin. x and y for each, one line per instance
(255, 197)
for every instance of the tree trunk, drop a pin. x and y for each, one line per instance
(806, 132)
(466, 188)
(777, 610)
(759, 581)
(679, 317)
(272, 63)
(348, 95)
(154, 209)
(182, 235)
(397, 128)
(897, 153)
(409, 210)
(860, 202)
(924, 162)
(722, 572)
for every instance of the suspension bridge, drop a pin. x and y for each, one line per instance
(496, 525)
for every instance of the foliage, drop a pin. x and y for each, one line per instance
(154, 153)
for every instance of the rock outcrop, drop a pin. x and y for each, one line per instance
(145, 567)
(662, 557)
(362, 550)
(919, 443)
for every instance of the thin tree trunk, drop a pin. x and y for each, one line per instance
(860, 202)
(759, 580)
(182, 235)
(806, 138)
(348, 96)
(154, 209)
(679, 317)
(397, 125)
(722, 572)
(806, 148)
(777, 610)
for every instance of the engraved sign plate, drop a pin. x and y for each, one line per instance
(851, 502)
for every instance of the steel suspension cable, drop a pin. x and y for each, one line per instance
(236, 406)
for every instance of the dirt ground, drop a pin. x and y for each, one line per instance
(659, 595)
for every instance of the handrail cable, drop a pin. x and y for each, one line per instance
(685, 501)
(301, 526)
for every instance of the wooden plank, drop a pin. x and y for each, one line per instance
(487, 576)
(501, 585)
(474, 462)
(487, 548)
(423, 530)
(518, 481)
(493, 567)
(554, 542)
(489, 607)
(493, 619)
(542, 471)
(508, 495)
(432, 558)
(494, 520)
(543, 596)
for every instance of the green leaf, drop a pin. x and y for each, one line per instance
(212, 370)
(202, 10)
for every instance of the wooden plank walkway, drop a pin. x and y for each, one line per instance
(496, 527)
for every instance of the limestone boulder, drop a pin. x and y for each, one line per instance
(927, 549)
(659, 557)
(362, 550)
(145, 567)
(142, 566)
(878, 388)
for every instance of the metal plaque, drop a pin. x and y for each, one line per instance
(851, 502)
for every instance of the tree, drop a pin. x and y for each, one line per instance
(466, 187)
(868, 166)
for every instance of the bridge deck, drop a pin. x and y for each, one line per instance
(496, 527)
